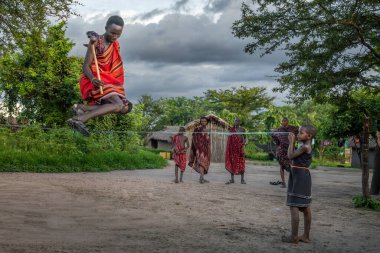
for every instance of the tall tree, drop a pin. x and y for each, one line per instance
(245, 102)
(175, 111)
(331, 46)
(40, 80)
(21, 18)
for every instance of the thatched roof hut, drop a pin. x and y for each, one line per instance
(162, 139)
(218, 141)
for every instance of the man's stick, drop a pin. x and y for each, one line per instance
(96, 66)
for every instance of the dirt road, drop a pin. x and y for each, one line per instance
(144, 211)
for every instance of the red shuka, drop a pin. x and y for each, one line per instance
(235, 156)
(179, 159)
(111, 73)
(200, 151)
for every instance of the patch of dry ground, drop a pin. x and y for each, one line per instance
(144, 211)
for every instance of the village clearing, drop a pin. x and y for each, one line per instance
(144, 211)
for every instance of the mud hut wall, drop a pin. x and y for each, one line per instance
(218, 142)
(164, 145)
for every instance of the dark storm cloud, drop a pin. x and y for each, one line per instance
(183, 55)
(181, 4)
(178, 6)
(193, 80)
(188, 39)
(151, 14)
(177, 39)
(184, 38)
(217, 5)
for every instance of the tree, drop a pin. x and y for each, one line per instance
(174, 111)
(245, 102)
(331, 47)
(40, 80)
(18, 19)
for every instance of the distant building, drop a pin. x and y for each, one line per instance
(218, 140)
(162, 139)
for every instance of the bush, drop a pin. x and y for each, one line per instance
(252, 152)
(369, 203)
(62, 150)
(317, 162)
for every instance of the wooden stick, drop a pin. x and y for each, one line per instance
(96, 66)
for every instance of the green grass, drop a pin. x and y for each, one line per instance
(327, 163)
(258, 156)
(61, 150)
(367, 203)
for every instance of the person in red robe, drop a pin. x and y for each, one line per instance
(200, 151)
(112, 99)
(180, 146)
(235, 155)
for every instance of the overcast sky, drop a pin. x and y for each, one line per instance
(177, 47)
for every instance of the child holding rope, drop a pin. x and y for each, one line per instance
(299, 184)
(101, 83)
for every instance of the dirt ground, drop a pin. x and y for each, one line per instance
(144, 211)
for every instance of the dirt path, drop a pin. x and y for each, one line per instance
(143, 211)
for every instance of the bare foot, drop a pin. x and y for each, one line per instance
(304, 239)
(230, 181)
(289, 239)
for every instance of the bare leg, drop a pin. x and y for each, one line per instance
(88, 108)
(176, 175)
(242, 178)
(295, 219)
(307, 223)
(232, 180)
(201, 172)
(283, 184)
(116, 105)
(181, 176)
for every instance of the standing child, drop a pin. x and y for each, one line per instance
(299, 184)
(180, 146)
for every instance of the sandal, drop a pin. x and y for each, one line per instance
(230, 182)
(275, 183)
(79, 126)
(77, 109)
(130, 106)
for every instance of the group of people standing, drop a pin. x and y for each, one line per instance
(200, 151)
(295, 161)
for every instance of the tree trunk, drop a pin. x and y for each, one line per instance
(365, 148)
(375, 185)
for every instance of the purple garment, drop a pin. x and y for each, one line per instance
(282, 138)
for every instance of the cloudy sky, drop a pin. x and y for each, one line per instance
(177, 47)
